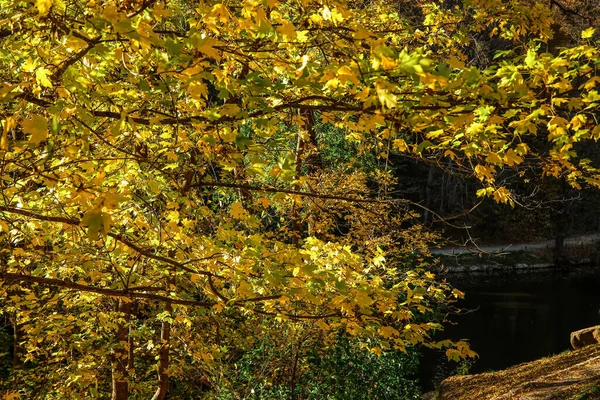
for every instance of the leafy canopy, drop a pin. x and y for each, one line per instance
(158, 167)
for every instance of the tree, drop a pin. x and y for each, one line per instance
(162, 179)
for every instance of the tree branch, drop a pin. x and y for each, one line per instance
(73, 59)
(8, 276)
(290, 191)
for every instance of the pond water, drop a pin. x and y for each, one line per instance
(516, 317)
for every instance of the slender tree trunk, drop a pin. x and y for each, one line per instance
(17, 361)
(296, 221)
(293, 374)
(163, 358)
(313, 159)
(428, 194)
(307, 154)
(244, 194)
(562, 226)
(130, 343)
(120, 356)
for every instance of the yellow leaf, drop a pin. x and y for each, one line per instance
(11, 396)
(287, 29)
(578, 121)
(484, 173)
(111, 14)
(336, 16)
(362, 299)
(29, 65)
(363, 95)
(588, 33)
(451, 154)
(388, 331)
(591, 83)
(264, 202)
(400, 144)
(386, 98)
(345, 74)
(43, 6)
(19, 252)
(388, 63)
(377, 351)
(302, 36)
(494, 158)
(37, 126)
(160, 12)
(475, 128)
(304, 63)
(229, 110)
(435, 134)
(502, 195)
(361, 33)
(453, 355)
(222, 12)
(512, 158)
(237, 210)
(41, 77)
(455, 63)
(9, 124)
(316, 19)
(485, 192)
(197, 90)
(75, 44)
(245, 290)
(106, 223)
(521, 149)
(207, 47)
(111, 200)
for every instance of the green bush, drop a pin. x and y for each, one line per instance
(345, 371)
(348, 372)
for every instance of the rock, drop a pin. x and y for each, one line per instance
(585, 337)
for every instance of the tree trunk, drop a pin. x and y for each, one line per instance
(428, 194)
(163, 357)
(562, 227)
(312, 154)
(244, 194)
(307, 154)
(18, 350)
(120, 356)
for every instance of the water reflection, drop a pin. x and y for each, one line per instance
(517, 317)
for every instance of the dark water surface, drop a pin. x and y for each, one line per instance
(517, 317)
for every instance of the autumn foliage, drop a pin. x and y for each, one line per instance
(165, 184)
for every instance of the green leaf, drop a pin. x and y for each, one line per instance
(96, 223)
(424, 145)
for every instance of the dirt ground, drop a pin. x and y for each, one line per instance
(573, 375)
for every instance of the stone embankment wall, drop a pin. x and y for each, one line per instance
(578, 250)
